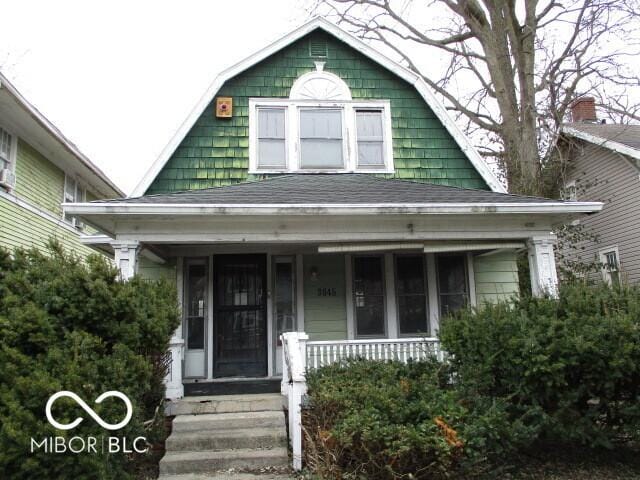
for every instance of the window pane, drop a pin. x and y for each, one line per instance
(368, 291)
(271, 123)
(196, 305)
(321, 138)
(370, 139)
(452, 283)
(271, 153)
(195, 333)
(271, 137)
(321, 153)
(321, 123)
(411, 293)
(284, 304)
(5, 148)
(369, 124)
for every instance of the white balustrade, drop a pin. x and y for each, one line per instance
(322, 353)
(300, 355)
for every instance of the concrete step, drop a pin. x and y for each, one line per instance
(211, 422)
(225, 404)
(227, 476)
(210, 461)
(217, 439)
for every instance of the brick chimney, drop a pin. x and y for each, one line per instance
(583, 109)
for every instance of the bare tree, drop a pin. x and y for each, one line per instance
(522, 63)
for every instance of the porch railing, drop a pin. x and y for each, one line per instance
(321, 353)
(300, 355)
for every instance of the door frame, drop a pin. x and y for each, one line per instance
(184, 295)
(262, 260)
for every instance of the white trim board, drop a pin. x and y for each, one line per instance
(320, 23)
(39, 212)
(602, 142)
(106, 208)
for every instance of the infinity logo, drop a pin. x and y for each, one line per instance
(89, 410)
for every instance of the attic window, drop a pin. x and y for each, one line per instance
(318, 49)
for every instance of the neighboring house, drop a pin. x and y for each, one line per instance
(320, 187)
(39, 170)
(604, 165)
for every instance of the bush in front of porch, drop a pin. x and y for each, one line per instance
(568, 367)
(386, 420)
(67, 324)
(522, 377)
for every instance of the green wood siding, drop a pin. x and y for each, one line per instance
(155, 271)
(496, 277)
(325, 316)
(215, 151)
(20, 227)
(38, 181)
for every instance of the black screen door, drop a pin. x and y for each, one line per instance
(240, 316)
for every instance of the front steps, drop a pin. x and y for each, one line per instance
(226, 437)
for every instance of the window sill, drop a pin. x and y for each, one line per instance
(312, 171)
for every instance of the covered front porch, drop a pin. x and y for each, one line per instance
(369, 299)
(344, 258)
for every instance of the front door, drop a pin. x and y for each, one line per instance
(239, 316)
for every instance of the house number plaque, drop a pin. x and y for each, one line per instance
(327, 292)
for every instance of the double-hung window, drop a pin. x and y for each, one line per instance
(321, 138)
(610, 260)
(368, 295)
(411, 294)
(6, 149)
(370, 138)
(272, 152)
(453, 284)
(306, 136)
(73, 193)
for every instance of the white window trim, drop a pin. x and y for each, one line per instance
(602, 254)
(292, 140)
(570, 187)
(13, 154)
(78, 190)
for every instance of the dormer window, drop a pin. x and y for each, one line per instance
(321, 138)
(319, 129)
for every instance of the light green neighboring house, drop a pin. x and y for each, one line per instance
(39, 170)
(320, 187)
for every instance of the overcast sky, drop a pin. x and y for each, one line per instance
(119, 77)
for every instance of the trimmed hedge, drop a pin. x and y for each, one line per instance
(569, 367)
(66, 324)
(530, 373)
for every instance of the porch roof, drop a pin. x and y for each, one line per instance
(295, 200)
(330, 189)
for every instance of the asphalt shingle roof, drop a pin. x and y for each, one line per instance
(330, 189)
(628, 135)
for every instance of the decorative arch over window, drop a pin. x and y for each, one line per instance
(321, 86)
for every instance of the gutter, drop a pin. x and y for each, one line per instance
(113, 208)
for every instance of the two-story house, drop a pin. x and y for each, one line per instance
(603, 164)
(320, 187)
(39, 170)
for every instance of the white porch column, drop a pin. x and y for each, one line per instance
(173, 380)
(542, 265)
(126, 256)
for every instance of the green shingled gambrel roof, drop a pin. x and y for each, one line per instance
(215, 152)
